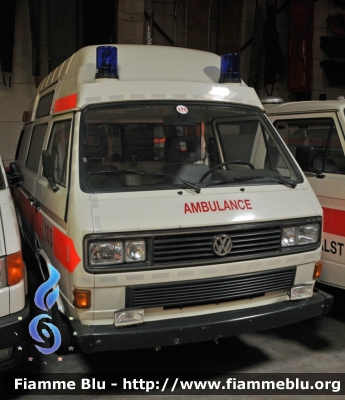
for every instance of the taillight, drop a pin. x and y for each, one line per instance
(15, 268)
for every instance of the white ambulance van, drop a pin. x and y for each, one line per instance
(152, 180)
(14, 304)
(314, 133)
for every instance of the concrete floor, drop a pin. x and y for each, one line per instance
(313, 346)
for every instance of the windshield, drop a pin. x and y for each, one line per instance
(161, 146)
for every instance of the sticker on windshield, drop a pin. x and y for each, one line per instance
(182, 109)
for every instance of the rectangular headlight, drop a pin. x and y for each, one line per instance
(300, 235)
(302, 291)
(116, 252)
(289, 236)
(128, 317)
(308, 233)
(3, 272)
(104, 253)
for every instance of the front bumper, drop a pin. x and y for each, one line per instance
(13, 332)
(200, 328)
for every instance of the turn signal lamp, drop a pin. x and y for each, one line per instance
(15, 268)
(81, 298)
(106, 63)
(317, 270)
(230, 68)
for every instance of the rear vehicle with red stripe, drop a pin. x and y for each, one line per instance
(314, 133)
(154, 183)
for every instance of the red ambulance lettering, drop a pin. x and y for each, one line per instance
(248, 205)
(226, 205)
(241, 205)
(48, 233)
(233, 205)
(214, 206)
(196, 207)
(187, 209)
(204, 206)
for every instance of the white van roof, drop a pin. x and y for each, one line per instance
(305, 106)
(146, 73)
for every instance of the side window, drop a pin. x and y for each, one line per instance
(238, 139)
(335, 160)
(45, 104)
(19, 145)
(58, 149)
(23, 144)
(35, 149)
(320, 134)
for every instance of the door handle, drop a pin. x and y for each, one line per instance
(34, 203)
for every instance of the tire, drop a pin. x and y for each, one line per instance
(64, 326)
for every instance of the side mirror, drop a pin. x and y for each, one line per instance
(14, 176)
(48, 170)
(307, 156)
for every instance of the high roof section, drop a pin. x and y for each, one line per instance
(147, 72)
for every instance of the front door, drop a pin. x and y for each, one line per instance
(52, 207)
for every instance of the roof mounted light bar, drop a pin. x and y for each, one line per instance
(106, 62)
(230, 68)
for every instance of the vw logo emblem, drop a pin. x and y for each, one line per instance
(222, 245)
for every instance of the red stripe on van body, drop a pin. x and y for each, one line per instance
(64, 250)
(66, 103)
(334, 221)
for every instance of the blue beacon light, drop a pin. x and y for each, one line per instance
(106, 63)
(230, 68)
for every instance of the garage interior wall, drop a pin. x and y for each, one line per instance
(225, 26)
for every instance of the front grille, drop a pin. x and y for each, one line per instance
(207, 291)
(198, 246)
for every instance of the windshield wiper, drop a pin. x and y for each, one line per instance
(283, 181)
(234, 180)
(249, 178)
(190, 185)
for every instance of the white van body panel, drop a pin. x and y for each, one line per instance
(11, 231)
(173, 207)
(4, 301)
(17, 297)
